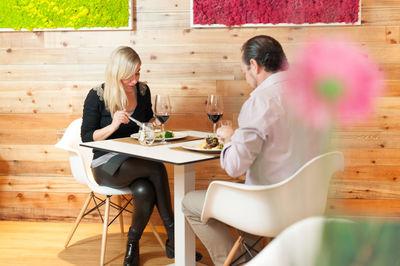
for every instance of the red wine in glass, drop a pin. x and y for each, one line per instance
(215, 109)
(214, 117)
(162, 118)
(162, 112)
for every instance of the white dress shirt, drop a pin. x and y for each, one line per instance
(270, 144)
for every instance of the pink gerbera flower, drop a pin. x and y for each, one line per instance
(333, 81)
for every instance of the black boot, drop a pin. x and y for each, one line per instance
(170, 250)
(132, 253)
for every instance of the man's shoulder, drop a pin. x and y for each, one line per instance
(264, 95)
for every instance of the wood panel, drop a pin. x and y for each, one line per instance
(37, 153)
(86, 72)
(371, 157)
(49, 101)
(194, 37)
(42, 200)
(381, 16)
(365, 190)
(381, 3)
(378, 173)
(50, 184)
(364, 207)
(45, 76)
(153, 54)
(34, 168)
(369, 139)
(42, 100)
(167, 54)
(165, 86)
(72, 102)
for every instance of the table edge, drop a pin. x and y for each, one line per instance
(141, 157)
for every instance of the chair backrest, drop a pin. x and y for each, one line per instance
(267, 210)
(80, 158)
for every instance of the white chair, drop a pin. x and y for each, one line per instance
(267, 210)
(80, 159)
(297, 245)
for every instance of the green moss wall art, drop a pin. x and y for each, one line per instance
(65, 14)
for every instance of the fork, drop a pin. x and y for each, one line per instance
(135, 121)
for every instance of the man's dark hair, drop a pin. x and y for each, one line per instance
(267, 52)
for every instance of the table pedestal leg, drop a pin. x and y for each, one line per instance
(185, 243)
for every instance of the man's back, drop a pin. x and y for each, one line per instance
(270, 143)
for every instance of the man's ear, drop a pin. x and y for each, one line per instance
(254, 67)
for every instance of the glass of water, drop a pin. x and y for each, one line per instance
(146, 134)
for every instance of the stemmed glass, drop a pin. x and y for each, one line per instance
(162, 111)
(215, 109)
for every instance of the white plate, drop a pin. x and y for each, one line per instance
(195, 147)
(177, 135)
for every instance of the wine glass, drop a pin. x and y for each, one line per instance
(162, 111)
(215, 109)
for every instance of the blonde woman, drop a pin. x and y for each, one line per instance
(105, 116)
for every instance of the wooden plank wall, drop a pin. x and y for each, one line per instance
(44, 77)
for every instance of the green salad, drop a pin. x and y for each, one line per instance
(167, 134)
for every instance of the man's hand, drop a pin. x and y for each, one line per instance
(224, 134)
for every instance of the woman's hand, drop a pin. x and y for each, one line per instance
(120, 117)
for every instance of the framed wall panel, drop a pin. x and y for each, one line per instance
(60, 15)
(255, 13)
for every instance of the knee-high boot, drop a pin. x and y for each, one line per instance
(143, 201)
(170, 244)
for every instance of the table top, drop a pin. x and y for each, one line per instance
(169, 153)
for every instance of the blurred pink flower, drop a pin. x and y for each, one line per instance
(333, 81)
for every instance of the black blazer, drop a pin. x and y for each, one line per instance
(96, 116)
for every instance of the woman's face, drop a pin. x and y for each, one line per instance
(130, 83)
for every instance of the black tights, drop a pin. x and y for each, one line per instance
(148, 181)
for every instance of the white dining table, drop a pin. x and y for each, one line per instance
(184, 180)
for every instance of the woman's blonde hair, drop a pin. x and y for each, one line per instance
(121, 65)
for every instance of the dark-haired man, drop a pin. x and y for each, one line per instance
(269, 144)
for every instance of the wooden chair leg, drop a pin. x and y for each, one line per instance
(121, 216)
(105, 228)
(79, 218)
(233, 251)
(267, 240)
(156, 235)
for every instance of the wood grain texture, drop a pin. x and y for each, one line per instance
(43, 244)
(364, 207)
(193, 37)
(378, 173)
(86, 72)
(365, 190)
(45, 76)
(381, 3)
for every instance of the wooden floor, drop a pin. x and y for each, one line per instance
(42, 243)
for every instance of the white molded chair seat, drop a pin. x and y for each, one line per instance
(297, 245)
(266, 210)
(80, 159)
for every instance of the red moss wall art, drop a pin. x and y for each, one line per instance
(255, 13)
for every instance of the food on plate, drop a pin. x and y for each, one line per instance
(167, 134)
(211, 143)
